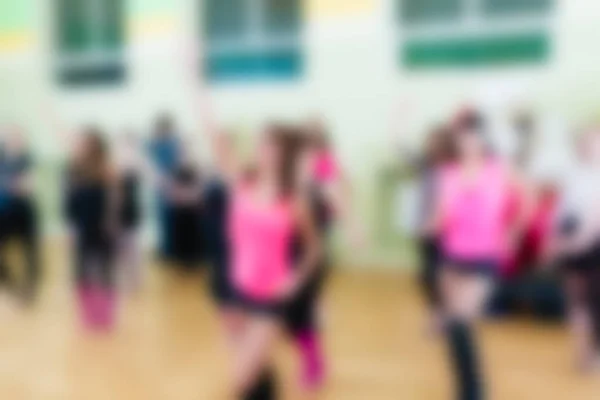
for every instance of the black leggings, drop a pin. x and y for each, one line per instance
(300, 315)
(465, 361)
(20, 222)
(430, 265)
(94, 261)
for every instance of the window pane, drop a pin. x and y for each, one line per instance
(113, 28)
(225, 19)
(72, 26)
(415, 11)
(282, 64)
(516, 7)
(283, 16)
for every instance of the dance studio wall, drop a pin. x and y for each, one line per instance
(353, 76)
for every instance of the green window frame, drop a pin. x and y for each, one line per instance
(474, 33)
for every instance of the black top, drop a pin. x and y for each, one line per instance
(216, 201)
(12, 168)
(87, 205)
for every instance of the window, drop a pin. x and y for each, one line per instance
(419, 11)
(252, 39)
(461, 33)
(90, 36)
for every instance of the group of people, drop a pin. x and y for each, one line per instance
(264, 228)
(484, 221)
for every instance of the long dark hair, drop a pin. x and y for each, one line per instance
(472, 121)
(291, 142)
(440, 146)
(93, 166)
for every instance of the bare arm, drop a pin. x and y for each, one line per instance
(217, 138)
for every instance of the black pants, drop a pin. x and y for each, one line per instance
(300, 313)
(19, 222)
(588, 295)
(430, 265)
(94, 261)
(185, 235)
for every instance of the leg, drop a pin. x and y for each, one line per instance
(301, 322)
(106, 294)
(580, 319)
(31, 245)
(253, 355)
(430, 260)
(430, 265)
(83, 264)
(5, 226)
(464, 300)
(129, 260)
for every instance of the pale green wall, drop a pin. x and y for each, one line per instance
(352, 77)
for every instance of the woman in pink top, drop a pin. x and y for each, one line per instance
(470, 219)
(267, 207)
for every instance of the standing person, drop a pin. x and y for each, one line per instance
(215, 206)
(576, 241)
(470, 220)
(131, 169)
(437, 153)
(18, 216)
(330, 199)
(266, 208)
(164, 149)
(184, 194)
(91, 211)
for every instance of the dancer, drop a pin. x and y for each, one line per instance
(164, 151)
(331, 199)
(184, 191)
(577, 244)
(469, 218)
(18, 214)
(266, 208)
(215, 205)
(437, 153)
(91, 206)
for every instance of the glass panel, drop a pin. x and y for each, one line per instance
(72, 26)
(416, 11)
(516, 7)
(283, 17)
(225, 19)
(112, 35)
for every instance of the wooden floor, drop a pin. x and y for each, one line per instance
(167, 346)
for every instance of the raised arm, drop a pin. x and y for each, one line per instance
(218, 139)
(65, 136)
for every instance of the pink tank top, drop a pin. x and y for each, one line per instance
(325, 168)
(260, 237)
(474, 212)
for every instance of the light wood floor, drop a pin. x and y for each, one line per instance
(167, 347)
